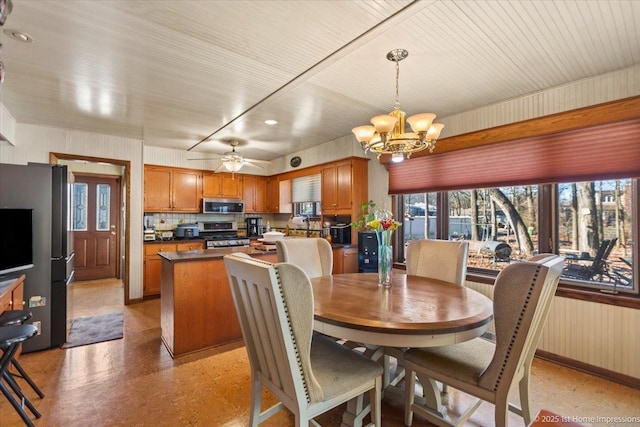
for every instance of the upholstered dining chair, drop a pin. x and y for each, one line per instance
(308, 373)
(313, 255)
(438, 259)
(523, 293)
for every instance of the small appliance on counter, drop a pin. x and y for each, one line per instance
(341, 233)
(187, 231)
(254, 226)
(149, 235)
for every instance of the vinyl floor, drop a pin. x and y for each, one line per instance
(134, 381)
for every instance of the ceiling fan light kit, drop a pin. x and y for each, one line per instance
(388, 136)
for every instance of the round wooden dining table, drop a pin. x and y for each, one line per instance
(414, 312)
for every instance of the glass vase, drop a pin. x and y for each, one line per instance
(385, 259)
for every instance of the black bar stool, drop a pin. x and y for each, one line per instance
(13, 318)
(10, 339)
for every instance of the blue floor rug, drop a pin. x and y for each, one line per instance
(92, 329)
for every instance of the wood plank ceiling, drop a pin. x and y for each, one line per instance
(174, 72)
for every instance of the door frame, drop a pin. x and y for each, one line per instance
(125, 198)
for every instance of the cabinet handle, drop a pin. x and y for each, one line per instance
(24, 303)
(11, 303)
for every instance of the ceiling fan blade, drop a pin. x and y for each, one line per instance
(250, 163)
(206, 158)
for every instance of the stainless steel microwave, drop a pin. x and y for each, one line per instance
(222, 206)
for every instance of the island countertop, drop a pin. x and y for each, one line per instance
(202, 254)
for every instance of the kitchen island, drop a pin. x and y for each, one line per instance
(197, 310)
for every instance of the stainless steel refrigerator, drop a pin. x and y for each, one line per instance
(46, 190)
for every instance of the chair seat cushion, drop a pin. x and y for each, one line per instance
(465, 361)
(339, 369)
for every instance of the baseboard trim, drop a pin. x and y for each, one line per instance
(590, 369)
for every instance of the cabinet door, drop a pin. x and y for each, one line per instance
(248, 193)
(329, 188)
(273, 195)
(350, 260)
(17, 297)
(152, 275)
(223, 185)
(231, 185)
(157, 189)
(338, 265)
(211, 185)
(286, 204)
(261, 195)
(186, 191)
(343, 186)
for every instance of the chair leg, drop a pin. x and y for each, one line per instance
(18, 391)
(256, 402)
(524, 395)
(27, 378)
(376, 397)
(16, 406)
(501, 414)
(409, 393)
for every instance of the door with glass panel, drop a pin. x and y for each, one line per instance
(96, 226)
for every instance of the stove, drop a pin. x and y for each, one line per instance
(221, 234)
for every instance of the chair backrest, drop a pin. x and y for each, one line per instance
(438, 259)
(313, 255)
(274, 303)
(522, 297)
(598, 265)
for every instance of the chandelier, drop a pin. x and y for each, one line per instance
(388, 136)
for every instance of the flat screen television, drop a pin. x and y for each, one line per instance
(16, 240)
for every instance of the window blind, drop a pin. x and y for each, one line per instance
(608, 151)
(306, 189)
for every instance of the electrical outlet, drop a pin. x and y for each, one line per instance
(38, 325)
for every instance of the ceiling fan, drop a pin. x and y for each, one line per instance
(233, 161)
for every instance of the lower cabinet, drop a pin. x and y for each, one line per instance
(345, 260)
(153, 263)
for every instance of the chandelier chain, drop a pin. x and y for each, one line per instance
(397, 104)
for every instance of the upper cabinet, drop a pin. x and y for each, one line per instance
(279, 195)
(222, 185)
(172, 189)
(337, 185)
(254, 193)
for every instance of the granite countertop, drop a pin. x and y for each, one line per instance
(202, 254)
(174, 240)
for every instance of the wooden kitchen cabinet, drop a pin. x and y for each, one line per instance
(336, 188)
(172, 189)
(345, 187)
(12, 294)
(279, 195)
(153, 262)
(254, 193)
(221, 185)
(345, 260)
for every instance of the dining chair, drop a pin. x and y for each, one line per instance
(523, 293)
(438, 259)
(308, 373)
(313, 255)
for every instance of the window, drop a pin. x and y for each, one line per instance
(591, 223)
(80, 191)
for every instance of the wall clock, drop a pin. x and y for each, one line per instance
(295, 161)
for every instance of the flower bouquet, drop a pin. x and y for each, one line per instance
(384, 224)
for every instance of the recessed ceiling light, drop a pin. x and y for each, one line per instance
(18, 35)
(271, 122)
